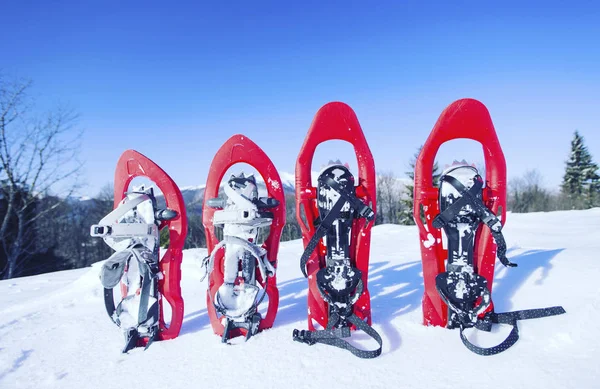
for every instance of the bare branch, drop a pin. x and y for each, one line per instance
(11, 99)
(38, 155)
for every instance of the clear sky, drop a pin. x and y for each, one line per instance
(175, 81)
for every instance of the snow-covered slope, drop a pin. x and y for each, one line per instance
(55, 332)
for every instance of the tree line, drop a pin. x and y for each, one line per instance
(580, 188)
(44, 228)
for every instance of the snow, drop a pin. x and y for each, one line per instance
(56, 334)
(236, 299)
(274, 184)
(430, 241)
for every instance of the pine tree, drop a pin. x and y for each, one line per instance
(581, 182)
(407, 203)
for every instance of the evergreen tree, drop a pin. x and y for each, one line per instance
(581, 182)
(291, 229)
(407, 203)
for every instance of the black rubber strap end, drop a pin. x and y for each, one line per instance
(506, 262)
(303, 336)
(367, 213)
(303, 268)
(438, 222)
(557, 310)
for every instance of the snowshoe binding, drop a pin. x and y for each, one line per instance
(241, 216)
(132, 230)
(242, 272)
(465, 270)
(336, 221)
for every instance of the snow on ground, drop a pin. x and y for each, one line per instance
(55, 332)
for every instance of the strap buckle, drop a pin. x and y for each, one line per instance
(100, 231)
(123, 230)
(367, 213)
(439, 221)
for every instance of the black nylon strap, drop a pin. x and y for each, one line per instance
(508, 342)
(510, 318)
(363, 209)
(327, 222)
(325, 225)
(109, 304)
(333, 337)
(468, 197)
(361, 325)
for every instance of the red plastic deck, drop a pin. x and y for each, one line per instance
(470, 119)
(131, 165)
(240, 149)
(335, 121)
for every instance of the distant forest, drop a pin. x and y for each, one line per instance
(43, 229)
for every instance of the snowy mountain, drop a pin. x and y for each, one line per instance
(194, 195)
(55, 332)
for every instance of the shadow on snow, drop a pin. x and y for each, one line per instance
(507, 281)
(396, 289)
(17, 363)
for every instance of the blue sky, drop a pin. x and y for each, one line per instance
(174, 82)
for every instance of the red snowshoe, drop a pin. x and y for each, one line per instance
(336, 231)
(242, 272)
(147, 279)
(458, 280)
